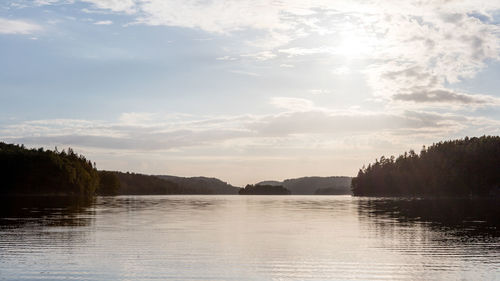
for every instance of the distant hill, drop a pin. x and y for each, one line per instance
(139, 184)
(314, 185)
(202, 185)
(274, 183)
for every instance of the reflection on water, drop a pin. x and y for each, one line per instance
(45, 210)
(249, 238)
(462, 216)
(460, 234)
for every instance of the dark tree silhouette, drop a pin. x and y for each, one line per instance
(264, 190)
(38, 171)
(464, 167)
(109, 184)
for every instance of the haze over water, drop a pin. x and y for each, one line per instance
(250, 238)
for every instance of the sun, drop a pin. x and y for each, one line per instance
(356, 45)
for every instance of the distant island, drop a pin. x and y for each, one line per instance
(264, 190)
(463, 167)
(315, 185)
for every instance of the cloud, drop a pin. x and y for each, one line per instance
(52, 2)
(348, 122)
(137, 118)
(153, 131)
(8, 26)
(133, 131)
(430, 52)
(226, 58)
(261, 56)
(285, 144)
(298, 51)
(125, 6)
(212, 16)
(45, 2)
(319, 91)
(446, 97)
(243, 72)
(103, 22)
(343, 70)
(292, 104)
(441, 41)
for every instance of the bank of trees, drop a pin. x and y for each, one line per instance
(464, 167)
(46, 172)
(109, 184)
(264, 190)
(139, 184)
(39, 171)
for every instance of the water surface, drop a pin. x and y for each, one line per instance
(249, 238)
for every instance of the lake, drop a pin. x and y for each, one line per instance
(249, 238)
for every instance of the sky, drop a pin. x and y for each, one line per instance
(247, 90)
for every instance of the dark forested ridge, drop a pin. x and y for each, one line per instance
(45, 172)
(315, 185)
(109, 183)
(464, 167)
(139, 184)
(42, 172)
(264, 190)
(202, 185)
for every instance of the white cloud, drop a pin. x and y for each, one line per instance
(8, 26)
(298, 51)
(445, 97)
(212, 16)
(103, 22)
(226, 58)
(45, 2)
(318, 91)
(154, 131)
(125, 6)
(292, 104)
(261, 56)
(137, 118)
(404, 44)
(243, 72)
(52, 2)
(342, 70)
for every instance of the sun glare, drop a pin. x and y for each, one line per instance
(355, 45)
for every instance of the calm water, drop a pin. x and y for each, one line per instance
(250, 238)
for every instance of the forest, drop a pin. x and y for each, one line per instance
(463, 167)
(314, 185)
(46, 172)
(66, 173)
(139, 184)
(264, 190)
(202, 185)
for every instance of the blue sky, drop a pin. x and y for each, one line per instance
(246, 90)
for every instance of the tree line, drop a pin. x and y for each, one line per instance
(46, 172)
(463, 167)
(39, 171)
(264, 190)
